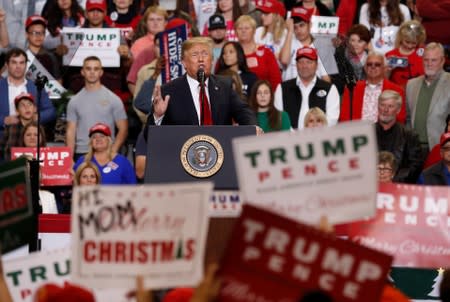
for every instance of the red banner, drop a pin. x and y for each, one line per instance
(271, 258)
(56, 164)
(412, 223)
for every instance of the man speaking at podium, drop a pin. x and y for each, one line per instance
(198, 98)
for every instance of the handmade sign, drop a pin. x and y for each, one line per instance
(55, 166)
(26, 274)
(412, 223)
(311, 173)
(16, 209)
(170, 42)
(271, 258)
(156, 231)
(85, 42)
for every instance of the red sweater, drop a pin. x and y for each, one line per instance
(263, 63)
(358, 97)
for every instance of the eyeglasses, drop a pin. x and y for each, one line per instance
(445, 149)
(373, 64)
(384, 169)
(36, 33)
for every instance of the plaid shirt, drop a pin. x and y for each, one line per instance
(11, 138)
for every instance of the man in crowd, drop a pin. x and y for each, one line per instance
(428, 97)
(298, 95)
(217, 31)
(94, 103)
(16, 83)
(363, 104)
(439, 173)
(394, 137)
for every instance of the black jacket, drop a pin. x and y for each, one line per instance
(434, 175)
(404, 144)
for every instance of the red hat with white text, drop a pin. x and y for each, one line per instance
(100, 128)
(96, 4)
(306, 52)
(35, 19)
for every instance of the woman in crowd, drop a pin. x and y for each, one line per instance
(315, 117)
(231, 11)
(233, 58)
(386, 166)
(383, 18)
(87, 174)
(59, 14)
(405, 60)
(29, 135)
(123, 14)
(260, 59)
(114, 168)
(273, 31)
(351, 56)
(268, 117)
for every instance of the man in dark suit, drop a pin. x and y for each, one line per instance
(179, 101)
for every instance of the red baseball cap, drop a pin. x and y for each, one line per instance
(445, 138)
(306, 52)
(35, 19)
(101, 128)
(302, 13)
(271, 6)
(96, 4)
(22, 96)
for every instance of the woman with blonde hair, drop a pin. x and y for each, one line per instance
(260, 59)
(315, 117)
(406, 59)
(114, 168)
(273, 31)
(87, 174)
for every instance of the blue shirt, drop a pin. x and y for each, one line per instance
(421, 180)
(117, 171)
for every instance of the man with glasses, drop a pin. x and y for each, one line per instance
(362, 104)
(395, 138)
(439, 173)
(35, 27)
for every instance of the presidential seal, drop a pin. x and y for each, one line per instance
(201, 156)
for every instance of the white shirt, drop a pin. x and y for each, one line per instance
(194, 86)
(332, 102)
(268, 41)
(14, 91)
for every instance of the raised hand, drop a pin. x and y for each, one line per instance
(159, 103)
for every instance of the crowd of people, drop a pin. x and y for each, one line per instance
(261, 66)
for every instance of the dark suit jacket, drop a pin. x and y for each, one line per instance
(225, 104)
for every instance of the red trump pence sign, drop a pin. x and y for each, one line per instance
(412, 223)
(271, 258)
(158, 232)
(56, 164)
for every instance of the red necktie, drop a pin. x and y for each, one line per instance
(205, 112)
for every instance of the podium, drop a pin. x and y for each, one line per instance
(193, 153)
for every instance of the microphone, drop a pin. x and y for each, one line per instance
(201, 76)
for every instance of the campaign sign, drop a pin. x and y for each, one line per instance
(26, 274)
(157, 231)
(85, 42)
(16, 209)
(56, 163)
(412, 222)
(324, 25)
(170, 43)
(307, 174)
(271, 258)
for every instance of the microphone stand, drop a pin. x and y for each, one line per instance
(201, 79)
(34, 169)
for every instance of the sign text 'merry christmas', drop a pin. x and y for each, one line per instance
(305, 152)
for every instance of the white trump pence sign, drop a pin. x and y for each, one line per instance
(304, 175)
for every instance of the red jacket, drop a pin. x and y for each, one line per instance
(358, 96)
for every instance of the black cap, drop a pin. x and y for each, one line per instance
(216, 21)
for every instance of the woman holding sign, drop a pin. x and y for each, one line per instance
(114, 168)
